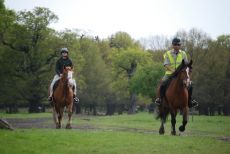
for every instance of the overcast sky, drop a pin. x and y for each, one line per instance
(139, 18)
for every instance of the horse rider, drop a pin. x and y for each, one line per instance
(172, 59)
(64, 60)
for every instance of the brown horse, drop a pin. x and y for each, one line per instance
(63, 97)
(176, 97)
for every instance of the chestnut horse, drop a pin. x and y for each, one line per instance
(63, 97)
(176, 97)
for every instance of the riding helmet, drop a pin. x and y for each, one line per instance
(64, 50)
(176, 41)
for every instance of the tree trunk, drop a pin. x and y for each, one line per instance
(203, 110)
(77, 108)
(12, 108)
(94, 110)
(35, 105)
(121, 108)
(132, 108)
(110, 109)
(226, 109)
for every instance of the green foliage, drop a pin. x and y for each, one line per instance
(209, 78)
(95, 73)
(2, 6)
(122, 40)
(147, 78)
(27, 57)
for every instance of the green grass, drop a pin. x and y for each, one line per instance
(25, 115)
(120, 134)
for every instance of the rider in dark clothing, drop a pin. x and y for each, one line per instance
(61, 62)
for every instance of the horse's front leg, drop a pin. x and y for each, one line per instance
(55, 118)
(68, 125)
(60, 114)
(185, 119)
(162, 129)
(163, 120)
(173, 123)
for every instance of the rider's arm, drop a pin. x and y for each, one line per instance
(169, 68)
(167, 64)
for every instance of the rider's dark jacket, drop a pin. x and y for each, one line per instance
(61, 63)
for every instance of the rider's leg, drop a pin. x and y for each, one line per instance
(73, 82)
(161, 90)
(56, 77)
(191, 102)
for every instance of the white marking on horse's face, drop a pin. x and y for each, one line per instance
(70, 74)
(188, 77)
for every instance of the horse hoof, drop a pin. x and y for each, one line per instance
(161, 131)
(182, 128)
(68, 126)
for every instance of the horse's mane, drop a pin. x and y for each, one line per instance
(173, 75)
(176, 72)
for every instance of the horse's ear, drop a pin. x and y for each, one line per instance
(190, 63)
(183, 62)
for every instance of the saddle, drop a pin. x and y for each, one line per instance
(56, 85)
(164, 86)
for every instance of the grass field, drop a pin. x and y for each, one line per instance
(119, 134)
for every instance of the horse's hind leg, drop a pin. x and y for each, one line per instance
(173, 123)
(185, 119)
(68, 125)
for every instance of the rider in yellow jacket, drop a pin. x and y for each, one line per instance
(172, 59)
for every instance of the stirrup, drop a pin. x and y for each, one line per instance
(76, 100)
(158, 101)
(50, 98)
(194, 103)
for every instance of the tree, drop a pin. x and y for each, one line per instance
(28, 39)
(224, 42)
(95, 76)
(193, 41)
(122, 40)
(126, 62)
(147, 78)
(156, 43)
(209, 78)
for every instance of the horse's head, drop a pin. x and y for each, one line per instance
(184, 73)
(67, 73)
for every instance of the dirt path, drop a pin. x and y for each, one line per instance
(29, 123)
(48, 123)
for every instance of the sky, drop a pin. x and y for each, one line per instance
(139, 18)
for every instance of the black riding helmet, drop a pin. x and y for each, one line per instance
(64, 50)
(176, 41)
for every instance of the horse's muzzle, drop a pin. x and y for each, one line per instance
(187, 82)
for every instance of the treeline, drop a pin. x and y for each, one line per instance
(116, 74)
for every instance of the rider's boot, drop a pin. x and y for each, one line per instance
(193, 103)
(76, 100)
(158, 101)
(50, 98)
